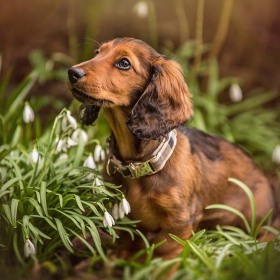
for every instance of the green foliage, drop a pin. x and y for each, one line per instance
(12, 128)
(50, 199)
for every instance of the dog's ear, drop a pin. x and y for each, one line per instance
(164, 105)
(88, 114)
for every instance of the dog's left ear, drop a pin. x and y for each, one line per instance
(164, 105)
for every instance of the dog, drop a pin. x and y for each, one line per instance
(168, 172)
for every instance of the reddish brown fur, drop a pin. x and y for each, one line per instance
(142, 104)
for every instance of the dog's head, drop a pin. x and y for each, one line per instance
(128, 73)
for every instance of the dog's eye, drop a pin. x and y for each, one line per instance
(123, 64)
(96, 52)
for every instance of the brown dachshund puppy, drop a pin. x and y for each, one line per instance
(169, 173)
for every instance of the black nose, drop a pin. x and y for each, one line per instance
(74, 74)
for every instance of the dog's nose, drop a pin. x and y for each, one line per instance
(74, 74)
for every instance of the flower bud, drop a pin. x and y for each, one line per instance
(29, 248)
(28, 113)
(276, 154)
(235, 93)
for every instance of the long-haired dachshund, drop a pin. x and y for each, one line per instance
(169, 172)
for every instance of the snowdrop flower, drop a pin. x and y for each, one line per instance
(79, 134)
(99, 154)
(61, 146)
(34, 154)
(235, 93)
(124, 206)
(89, 162)
(63, 157)
(97, 182)
(276, 154)
(68, 119)
(108, 220)
(29, 248)
(115, 211)
(28, 113)
(141, 9)
(70, 142)
(121, 212)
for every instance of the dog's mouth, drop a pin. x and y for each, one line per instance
(89, 100)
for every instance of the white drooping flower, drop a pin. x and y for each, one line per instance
(29, 248)
(28, 113)
(124, 206)
(235, 93)
(70, 142)
(108, 220)
(61, 146)
(63, 157)
(79, 134)
(99, 153)
(276, 154)
(121, 212)
(115, 211)
(68, 120)
(141, 9)
(121, 209)
(89, 162)
(97, 182)
(35, 156)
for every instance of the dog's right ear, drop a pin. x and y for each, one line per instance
(89, 114)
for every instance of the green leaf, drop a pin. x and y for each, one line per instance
(250, 196)
(96, 239)
(37, 232)
(43, 197)
(70, 217)
(202, 255)
(7, 211)
(36, 205)
(16, 249)
(4, 193)
(79, 203)
(9, 183)
(223, 254)
(232, 210)
(20, 94)
(83, 240)
(63, 235)
(14, 208)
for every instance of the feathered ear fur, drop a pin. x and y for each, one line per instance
(89, 113)
(164, 105)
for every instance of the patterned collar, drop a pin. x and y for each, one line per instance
(137, 169)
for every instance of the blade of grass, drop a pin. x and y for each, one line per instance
(232, 210)
(63, 235)
(14, 208)
(43, 197)
(202, 255)
(250, 196)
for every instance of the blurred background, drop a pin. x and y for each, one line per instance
(249, 48)
(221, 44)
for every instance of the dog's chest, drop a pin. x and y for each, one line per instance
(143, 208)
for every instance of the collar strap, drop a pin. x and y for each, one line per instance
(154, 164)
